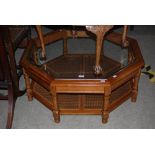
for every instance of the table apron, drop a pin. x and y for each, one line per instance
(80, 89)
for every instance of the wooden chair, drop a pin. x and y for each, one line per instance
(98, 30)
(10, 73)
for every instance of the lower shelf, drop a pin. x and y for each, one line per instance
(82, 103)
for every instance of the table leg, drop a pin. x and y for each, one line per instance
(105, 112)
(56, 112)
(135, 86)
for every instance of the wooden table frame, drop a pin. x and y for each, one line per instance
(130, 74)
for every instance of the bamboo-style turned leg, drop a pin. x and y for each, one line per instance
(135, 87)
(40, 34)
(56, 113)
(100, 32)
(105, 112)
(28, 86)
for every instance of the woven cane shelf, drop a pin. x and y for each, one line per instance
(82, 83)
(82, 103)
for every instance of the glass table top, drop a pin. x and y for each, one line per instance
(80, 60)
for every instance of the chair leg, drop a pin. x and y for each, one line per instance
(41, 37)
(125, 43)
(29, 33)
(65, 48)
(11, 106)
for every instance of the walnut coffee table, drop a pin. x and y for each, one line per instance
(83, 83)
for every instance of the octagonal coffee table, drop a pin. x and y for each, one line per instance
(70, 84)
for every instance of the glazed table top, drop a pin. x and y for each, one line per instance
(81, 65)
